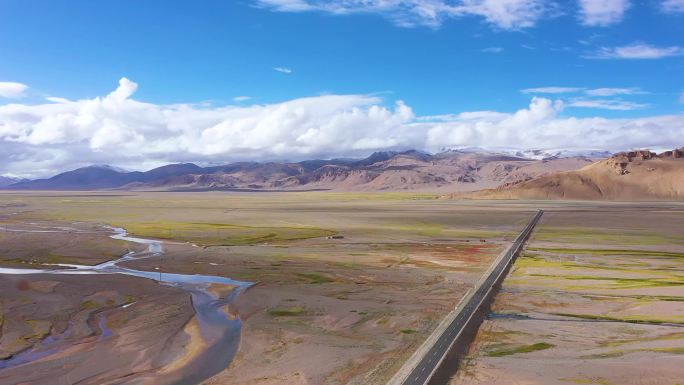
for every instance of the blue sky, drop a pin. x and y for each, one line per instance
(613, 59)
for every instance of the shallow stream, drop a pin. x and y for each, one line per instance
(220, 332)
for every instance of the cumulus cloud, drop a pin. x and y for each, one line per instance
(540, 126)
(602, 12)
(673, 6)
(60, 134)
(505, 14)
(637, 51)
(12, 90)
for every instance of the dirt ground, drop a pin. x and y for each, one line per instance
(322, 311)
(596, 298)
(31, 244)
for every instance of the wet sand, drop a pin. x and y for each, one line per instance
(63, 315)
(213, 335)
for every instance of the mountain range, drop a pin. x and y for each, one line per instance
(7, 181)
(451, 170)
(465, 172)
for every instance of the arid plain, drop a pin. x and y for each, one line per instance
(319, 311)
(344, 310)
(596, 298)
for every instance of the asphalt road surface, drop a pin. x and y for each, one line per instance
(422, 373)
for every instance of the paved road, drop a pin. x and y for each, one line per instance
(422, 373)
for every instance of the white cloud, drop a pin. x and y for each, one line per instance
(551, 90)
(607, 104)
(540, 126)
(493, 50)
(283, 70)
(602, 12)
(41, 139)
(591, 92)
(124, 91)
(241, 98)
(505, 14)
(614, 91)
(464, 116)
(12, 90)
(637, 51)
(674, 6)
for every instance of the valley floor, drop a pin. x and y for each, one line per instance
(334, 311)
(596, 298)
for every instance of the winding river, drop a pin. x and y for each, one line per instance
(220, 332)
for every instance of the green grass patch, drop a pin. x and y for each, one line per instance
(620, 353)
(667, 298)
(636, 319)
(348, 265)
(287, 312)
(649, 253)
(315, 278)
(89, 305)
(674, 350)
(519, 349)
(593, 235)
(666, 337)
(408, 331)
(221, 234)
(611, 354)
(534, 261)
(498, 335)
(616, 282)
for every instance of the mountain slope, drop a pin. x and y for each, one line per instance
(6, 181)
(86, 178)
(388, 170)
(638, 175)
(103, 177)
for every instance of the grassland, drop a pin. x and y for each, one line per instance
(322, 310)
(350, 310)
(603, 290)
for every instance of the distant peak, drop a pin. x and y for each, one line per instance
(105, 167)
(533, 153)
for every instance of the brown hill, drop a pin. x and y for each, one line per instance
(637, 175)
(410, 170)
